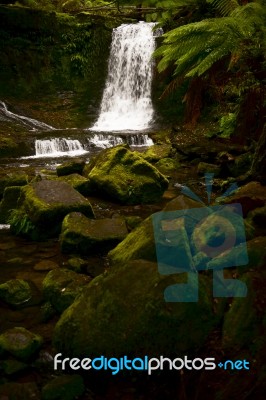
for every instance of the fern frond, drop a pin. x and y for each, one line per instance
(225, 7)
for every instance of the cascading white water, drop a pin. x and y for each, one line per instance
(29, 122)
(126, 102)
(57, 148)
(105, 141)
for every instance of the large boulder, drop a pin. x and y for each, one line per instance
(124, 176)
(124, 312)
(140, 242)
(83, 235)
(70, 167)
(12, 179)
(157, 152)
(44, 204)
(61, 287)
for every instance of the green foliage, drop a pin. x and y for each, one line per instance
(194, 48)
(20, 222)
(227, 125)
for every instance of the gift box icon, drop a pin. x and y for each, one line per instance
(196, 239)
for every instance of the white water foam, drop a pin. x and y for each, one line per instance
(126, 102)
(57, 148)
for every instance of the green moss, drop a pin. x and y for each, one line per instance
(124, 176)
(132, 316)
(15, 292)
(20, 342)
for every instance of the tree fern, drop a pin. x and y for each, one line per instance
(195, 47)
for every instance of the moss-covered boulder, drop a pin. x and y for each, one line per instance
(44, 205)
(9, 202)
(15, 292)
(125, 176)
(124, 312)
(244, 323)
(70, 167)
(67, 387)
(157, 152)
(204, 167)
(83, 235)
(167, 165)
(20, 343)
(140, 242)
(12, 179)
(61, 287)
(250, 196)
(78, 182)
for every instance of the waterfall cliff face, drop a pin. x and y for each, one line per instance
(126, 102)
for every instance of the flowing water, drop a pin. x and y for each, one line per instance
(31, 123)
(126, 102)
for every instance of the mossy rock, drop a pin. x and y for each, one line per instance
(47, 202)
(67, 387)
(204, 167)
(124, 176)
(243, 323)
(167, 165)
(241, 165)
(20, 343)
(256, 255)
(83, 235)
(133, 221)
(61, 286)
(258, 217)
(12, 179)
(9, 202)
(157, 152)
(15, 292)
(71, 167)
(77, 264)
(140, 242)
(78, 182)
(11, 367)
(124, 312)
(250, 196)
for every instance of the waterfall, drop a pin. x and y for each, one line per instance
(105, 141)
(126, 102)
(7, 115)
(57, 148)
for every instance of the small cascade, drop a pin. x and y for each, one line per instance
(58, 148)
(139, 140)
(105, 141)
(31, 123)
(126, 102)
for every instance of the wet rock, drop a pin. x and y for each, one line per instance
(15, 292)
(132, 222)
(126, 177)
(126, 305)
(83, 235)
(256, 255)
(208, 168)
(11, 367)
(67, 387)
(258, 217)
(241, 165)
(250, 196)
(78, 182)
(12, 179)
(61, 287)
(140, 242)
(70, 167)
(45, 265)
(9, 202)
(47, 312)
(157, 152)
(167, 165)
(19, 391)
(243, 323)
(44, 204)
(20, 343)
(77, 264)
